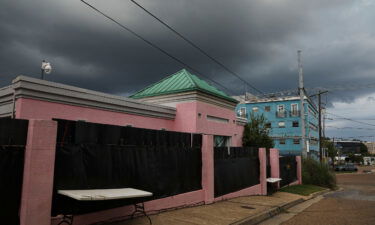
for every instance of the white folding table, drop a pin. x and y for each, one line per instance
(273, 183)
(106, 194)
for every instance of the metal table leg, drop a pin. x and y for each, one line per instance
(140, 208)
(67, 219)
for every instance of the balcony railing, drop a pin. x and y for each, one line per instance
(281, 114)
(295, 113)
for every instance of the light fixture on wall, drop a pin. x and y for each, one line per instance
(46, 68)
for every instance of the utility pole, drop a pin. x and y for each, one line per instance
(320, 124)
(302, 99)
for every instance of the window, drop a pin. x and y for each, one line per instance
(267, 108)
(294, 109)
(217, 119)
(282, 141)
(267, 125)
(295, 124)
(221, 141)
(280, 111)
(313, 141)
(281, 124)
(255, 109)
(296, 141)
(242, 112)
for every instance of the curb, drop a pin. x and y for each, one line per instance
(268, 213)
(256, 219)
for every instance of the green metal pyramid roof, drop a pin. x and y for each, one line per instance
(182, 81)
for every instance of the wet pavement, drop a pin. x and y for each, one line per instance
(354, 204)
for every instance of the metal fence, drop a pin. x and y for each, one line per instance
(288, 169)
(99, 156)
(13, 137)
(235, 168)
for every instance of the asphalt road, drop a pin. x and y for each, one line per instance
(355, 204)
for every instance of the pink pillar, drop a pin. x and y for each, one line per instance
(208, 168)
(38, 173)
(263, 170)
(275, 164)
(299, 169)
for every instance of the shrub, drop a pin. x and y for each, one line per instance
(316, 173)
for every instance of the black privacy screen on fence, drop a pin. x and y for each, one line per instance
(235, 168)
(13, 136)
(98, 156)
(288, 169)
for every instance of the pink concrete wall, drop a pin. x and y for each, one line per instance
(38, 173)
(187, 120)
(36, 109)
(275, 164)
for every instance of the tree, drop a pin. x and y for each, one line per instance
(331, 150)
(256, 134)
(363, 149)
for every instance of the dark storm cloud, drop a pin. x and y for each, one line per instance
(257, 39)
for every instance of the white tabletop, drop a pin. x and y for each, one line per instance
(104, 194)
(273, 180)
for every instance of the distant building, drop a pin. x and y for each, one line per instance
(370, 147)
(284, 121)
(347, 147)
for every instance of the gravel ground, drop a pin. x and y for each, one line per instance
(355, 204)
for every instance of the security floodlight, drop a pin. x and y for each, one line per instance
(46, 68)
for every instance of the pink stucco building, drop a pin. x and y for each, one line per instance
(193, 106)
(181, 102)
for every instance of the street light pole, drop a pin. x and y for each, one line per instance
(42, 70)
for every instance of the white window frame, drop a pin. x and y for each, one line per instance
(283, 126)
(244, 114)
(278, 108)
(255, 109)
(294, 112)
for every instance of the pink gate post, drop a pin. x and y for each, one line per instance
(38, 173)
(263, 170)
(275, 164)
(208, 168)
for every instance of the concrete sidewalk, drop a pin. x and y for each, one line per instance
(242, 210)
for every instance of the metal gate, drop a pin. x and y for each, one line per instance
(235, 168)
(288, 169)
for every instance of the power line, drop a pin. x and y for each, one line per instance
(329, 88)
(343, 128)
(349, 119)
(196, 46)
(154, 45)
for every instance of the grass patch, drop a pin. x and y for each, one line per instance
(303, 189)
(316, 173)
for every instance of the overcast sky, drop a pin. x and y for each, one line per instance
(256, 38)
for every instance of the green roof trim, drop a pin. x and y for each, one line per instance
(182, 81)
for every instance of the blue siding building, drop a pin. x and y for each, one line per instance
(284, 121)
